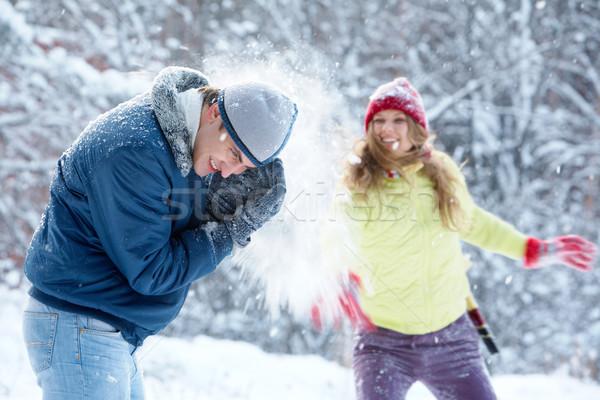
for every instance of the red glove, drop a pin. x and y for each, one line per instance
(573, 251)
(349, 305)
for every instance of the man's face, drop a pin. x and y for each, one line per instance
(214, 150)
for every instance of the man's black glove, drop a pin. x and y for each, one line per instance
(245, 202)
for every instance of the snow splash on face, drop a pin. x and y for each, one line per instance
(286, 256)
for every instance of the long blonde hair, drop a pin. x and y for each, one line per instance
(376, 159)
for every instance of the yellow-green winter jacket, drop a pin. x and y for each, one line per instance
(412, 267)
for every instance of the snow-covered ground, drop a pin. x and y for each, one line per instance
(210, 369)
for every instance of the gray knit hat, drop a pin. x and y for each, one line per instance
(259, 119)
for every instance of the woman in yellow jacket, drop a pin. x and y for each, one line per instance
(408, 211)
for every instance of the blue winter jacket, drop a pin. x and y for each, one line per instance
(123, 237)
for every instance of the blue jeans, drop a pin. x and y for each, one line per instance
(79, 357)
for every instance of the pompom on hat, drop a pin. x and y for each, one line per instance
(400, 95)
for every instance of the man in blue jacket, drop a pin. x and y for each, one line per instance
(151, 197)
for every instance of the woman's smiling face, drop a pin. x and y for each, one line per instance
(391, 127)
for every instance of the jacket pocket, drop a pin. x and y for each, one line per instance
(39, 332)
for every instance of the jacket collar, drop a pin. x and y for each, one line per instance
(407, 171)
(170, 104)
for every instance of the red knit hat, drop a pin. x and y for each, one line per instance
(400, 95)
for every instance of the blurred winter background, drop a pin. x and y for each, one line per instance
(512, 86)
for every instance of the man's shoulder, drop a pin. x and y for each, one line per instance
(130, 125)
(134, 117)
(127, 135)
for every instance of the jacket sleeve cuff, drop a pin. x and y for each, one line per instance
(532, 252)
(219, 239)
(207, 245)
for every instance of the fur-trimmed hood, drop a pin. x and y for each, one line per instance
(167, 86)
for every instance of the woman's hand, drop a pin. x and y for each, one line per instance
(349, 305)
(572, 251)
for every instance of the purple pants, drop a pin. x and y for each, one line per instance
(386, 363)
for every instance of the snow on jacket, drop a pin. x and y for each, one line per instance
(413, 268)
(121, 238)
